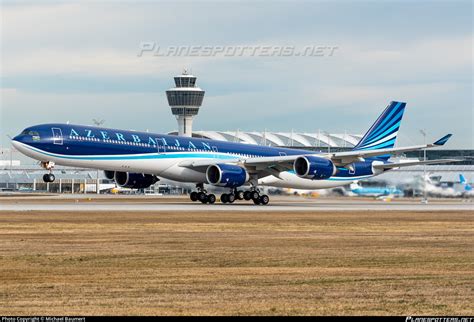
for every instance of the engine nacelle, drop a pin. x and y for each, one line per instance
(134, 180)
(226, 175)
(314, 168)
(109, 174)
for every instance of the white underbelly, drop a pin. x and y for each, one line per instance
(291, 180)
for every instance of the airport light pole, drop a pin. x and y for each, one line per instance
(425, 198)
(11, 157)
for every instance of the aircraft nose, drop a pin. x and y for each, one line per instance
(18, 141)
(18, 138)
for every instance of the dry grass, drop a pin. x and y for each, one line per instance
(236, 263)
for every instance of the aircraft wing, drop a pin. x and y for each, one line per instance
(340, 158)
(409, 164)
(344, 158)
(265, 166)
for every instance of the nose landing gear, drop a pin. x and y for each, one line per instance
(48, 177)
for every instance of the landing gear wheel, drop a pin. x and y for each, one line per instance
(264, 199)
(239, 195)
(194, 196)
(231, 197)
(247, 195)
(256, 201)
(211, 198)
(201, 197)
(254, 195)
(224, 198)
(49, 177)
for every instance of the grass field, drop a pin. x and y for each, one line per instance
(407, 263)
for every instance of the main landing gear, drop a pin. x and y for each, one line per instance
(201, 195)
(256, 197)
(252, 194)
(48, 177)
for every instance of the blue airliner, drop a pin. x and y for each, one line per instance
(138, 159)
(375, 191)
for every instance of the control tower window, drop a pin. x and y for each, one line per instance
(185, 82)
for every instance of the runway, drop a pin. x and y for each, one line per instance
(182, 204)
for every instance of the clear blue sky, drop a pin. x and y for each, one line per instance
(64, 61)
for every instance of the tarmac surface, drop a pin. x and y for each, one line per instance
(183, 204)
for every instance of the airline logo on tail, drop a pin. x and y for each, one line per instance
(383, 133)
(463, 181)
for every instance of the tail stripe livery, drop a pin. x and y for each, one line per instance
(383, 133)
(463, 181)
(394, 123)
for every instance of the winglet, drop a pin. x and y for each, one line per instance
(443, 140)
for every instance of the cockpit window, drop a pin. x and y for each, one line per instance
(30, 132)
(33, 134)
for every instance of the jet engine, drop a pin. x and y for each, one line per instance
(314, 168)
(134, 180)
(226, 175)
(109, 174)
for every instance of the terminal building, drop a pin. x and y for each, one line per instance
(319, 139)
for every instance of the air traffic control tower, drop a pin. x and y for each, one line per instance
(185, 100)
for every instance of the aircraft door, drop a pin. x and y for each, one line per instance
(57, 136)
(161, 147)
(215, 151)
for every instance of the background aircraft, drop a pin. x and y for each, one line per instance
(375, 191)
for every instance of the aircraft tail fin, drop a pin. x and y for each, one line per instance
(383, 133)
(464, 182)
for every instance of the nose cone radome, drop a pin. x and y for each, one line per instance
(17, 138)
(20, 141)
(17, 141)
